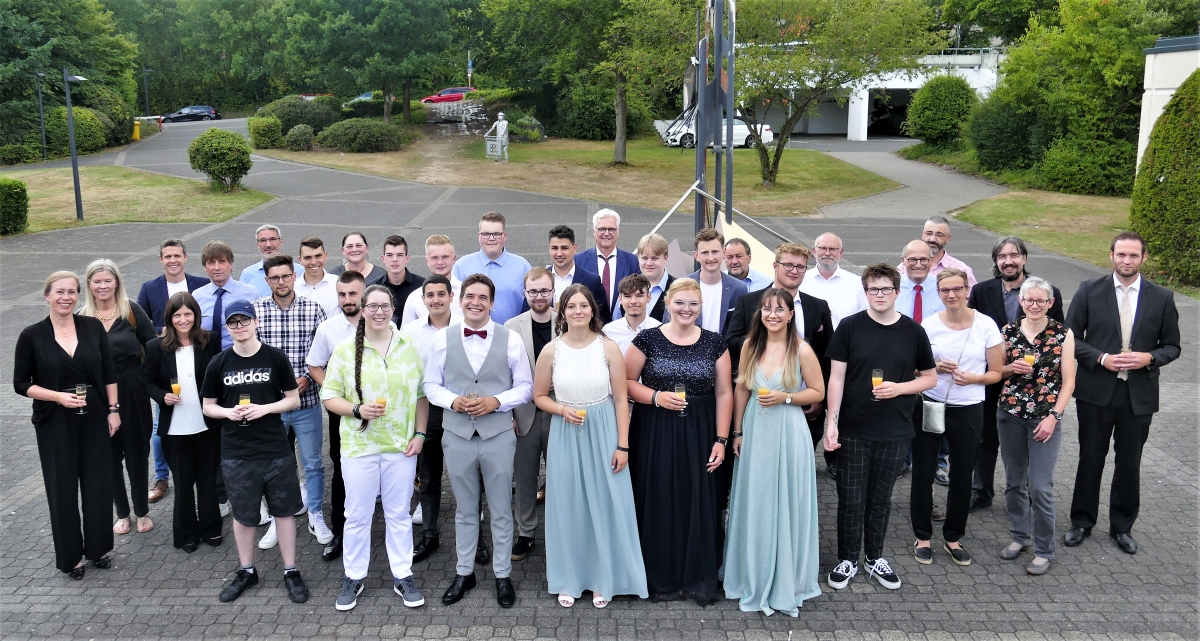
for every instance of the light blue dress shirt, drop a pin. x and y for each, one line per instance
(256, 277)
(756, 281)
(931, 303)
(507, 272)
(207, 297)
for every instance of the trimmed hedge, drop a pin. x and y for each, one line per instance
(300, 138)
(17, 154)
(1166, 194)
(939, 109)
(89, 131)
(1079, 166)
(360, 135)
(14, 207)
(119, 131)
(223, 155)
(265, 132)
(294, 110)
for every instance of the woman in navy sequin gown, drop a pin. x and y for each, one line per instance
(672, 456)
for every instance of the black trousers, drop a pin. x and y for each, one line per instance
(962, 433)
(194, 459)
(131, 446)
(337, 487)
(1128, 432)
(866, 472)
(989, 447)
(429, 470)
(76, 463)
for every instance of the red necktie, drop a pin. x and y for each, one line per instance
(917, 304)
(605, 279)
(481, 333)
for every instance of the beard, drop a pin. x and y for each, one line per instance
(1008, 278)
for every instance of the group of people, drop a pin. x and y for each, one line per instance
(678, 418)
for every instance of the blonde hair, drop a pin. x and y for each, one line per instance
(60, 275)
(684, 284)
(438, 239)
(794, 249)
(122, 301)
(653, 243)
(951, 272)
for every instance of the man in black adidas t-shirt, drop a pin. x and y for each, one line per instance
(256, 458)
(871, 425)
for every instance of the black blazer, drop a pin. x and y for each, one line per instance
(1096, 322)
(39, 360)
(591, 281)
(160, 369)
(988, 297)
(818, 326)
(656, 312)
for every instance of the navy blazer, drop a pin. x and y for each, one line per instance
(731, 290)
(153, 297)
(627, 264)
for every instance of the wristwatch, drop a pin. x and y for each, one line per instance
(1057, 415)
(723, 441)
(355, 412)
(788, 400)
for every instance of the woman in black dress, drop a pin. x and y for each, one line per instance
(175, 367)
(676, 441)
(129, 329)
(53, 359)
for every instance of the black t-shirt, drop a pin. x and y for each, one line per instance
(265, 376)
(401, 292)
(541, 336)
(899, 349)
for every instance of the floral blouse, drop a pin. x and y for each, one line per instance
(1032, 397)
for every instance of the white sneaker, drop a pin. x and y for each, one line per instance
(264, 517)
(270, 539)
(303, 501)
(225, 509)
(418, 517)
(317, 528)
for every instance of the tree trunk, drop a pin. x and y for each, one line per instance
(621, 107)
(406, 107)
(770, 170)
(388, 99)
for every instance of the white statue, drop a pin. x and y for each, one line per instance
(501, 129)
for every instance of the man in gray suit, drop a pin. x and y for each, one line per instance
(536, 329)
(719, 291)
(479, 372)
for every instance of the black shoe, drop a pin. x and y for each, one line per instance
(77, 572)
(458, 589)
(482, 555)
(214, 541)
(241, 581)
(189, 547)
(105, 562)
(505, 595)
(923, 555)
(1076, 535)
(1125, 542)
(425, 549)
(522, 548)
(333, 549)
(296, 589)
(978, 502)
(959, 555)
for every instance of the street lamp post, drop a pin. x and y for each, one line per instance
(67, 80)
(146, 88)
(41, 114)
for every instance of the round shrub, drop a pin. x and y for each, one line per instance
(265, 132)
(223, 155)
(1080, 166)
(294, 110)
(110, 103)
(300, 138)
(939, 109)
(360, 135)
(14, 207)
(1000, 133)
(1166, 194)
(526, 128)
(89, 131)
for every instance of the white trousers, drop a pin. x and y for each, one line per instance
(390, 476)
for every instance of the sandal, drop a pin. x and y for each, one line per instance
(77, 571)
(566, 601)
(599, 601)
(121, 526)
(104, 562)
(144, 524)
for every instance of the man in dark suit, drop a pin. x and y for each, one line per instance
(652, 261)
(710, 253)
(156, 292)
(567, 271)
(1000, 299)
(605, 260)
(1126, 328)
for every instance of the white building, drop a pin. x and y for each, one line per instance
(1168, 63)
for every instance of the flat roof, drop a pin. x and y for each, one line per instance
(1181, 43)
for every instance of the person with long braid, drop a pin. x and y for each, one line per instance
(374, 382)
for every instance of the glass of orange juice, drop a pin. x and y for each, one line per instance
(175, 386)
(762, 391)
(1030, 358)
(876, 379)
(382, 400)
(681, 391)
(244, 399)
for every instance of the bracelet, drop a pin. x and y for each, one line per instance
(421, 434)
(723, 441)
(56, 399)
(354, 412)
(113, 411)
(622, 449)
(737, 435)
(654, 399)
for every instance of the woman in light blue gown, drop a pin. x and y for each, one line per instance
(771, 545)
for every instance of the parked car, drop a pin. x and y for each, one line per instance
(453, 94)
(683, 134)
(194, 112)
(367, 95)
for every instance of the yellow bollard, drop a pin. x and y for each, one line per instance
(137, 126)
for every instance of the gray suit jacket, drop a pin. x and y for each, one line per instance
(731, 290)
(523, 326)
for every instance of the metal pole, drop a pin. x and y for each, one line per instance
(720, 139)
(42, 116)
(730, 95)
(71, 139)
(701, 116)
(146, 90)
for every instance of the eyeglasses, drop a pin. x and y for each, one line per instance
(272, 239)
(683, 304)
(777, 311)
(1036, 302)
(936, 234)
(490, 235)
(828, 249)
(791, 267)
(540, 293)
(280, 279)
(881, 291)
(918, 261)
(234, 323)
(606, 231)
(379, 307)
(952, 290)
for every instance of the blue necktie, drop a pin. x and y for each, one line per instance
(218, 310)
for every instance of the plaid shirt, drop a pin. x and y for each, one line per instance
(292, 331)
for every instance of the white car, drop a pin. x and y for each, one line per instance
(683, 134)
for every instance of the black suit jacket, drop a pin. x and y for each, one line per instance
(160, 369)
(988, 297)
(818, 326)
(591, 281)
(656, 312)
(1095, 319)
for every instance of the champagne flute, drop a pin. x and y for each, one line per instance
(581, 413)
(382, 400)
(876, 380)
(681, 390)
(762, 391)
(175, 386)
(81, 394)
(1030, 358)
(471, 395)
(244, 399)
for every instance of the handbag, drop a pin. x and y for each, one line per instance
(933, 413)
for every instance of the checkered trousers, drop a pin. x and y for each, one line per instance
(866, 471)
(292, 331)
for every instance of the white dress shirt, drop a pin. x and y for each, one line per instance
(622, 334)
(611, 266)
(843, 291)
(330, 333)
(414, 307)
(477, 350)
(561, 282)
(324, 293)
(187, 417)
(422, 334)
(1134, 290)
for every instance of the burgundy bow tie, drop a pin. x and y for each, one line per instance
(481, 333)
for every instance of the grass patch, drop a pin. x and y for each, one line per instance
(122, 195)
(654, 178)
(1081, 227)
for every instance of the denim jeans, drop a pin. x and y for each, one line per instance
(161, 470)
(306, 425)
(1029, 481)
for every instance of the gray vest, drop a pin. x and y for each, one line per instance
(493, 378)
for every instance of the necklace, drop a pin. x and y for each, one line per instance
(110, 316)
(771, 354)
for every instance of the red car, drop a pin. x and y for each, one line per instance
(453, 94)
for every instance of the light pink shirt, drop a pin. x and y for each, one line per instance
(947, 261)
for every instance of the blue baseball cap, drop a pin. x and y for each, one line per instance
(239, 308)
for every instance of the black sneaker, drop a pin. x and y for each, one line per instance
(522, 548)
(841, 575)
(924, 555)
(241, 581)
(882, 571)
(296, 589)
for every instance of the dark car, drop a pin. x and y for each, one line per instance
(453, 94)
(194, 112)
